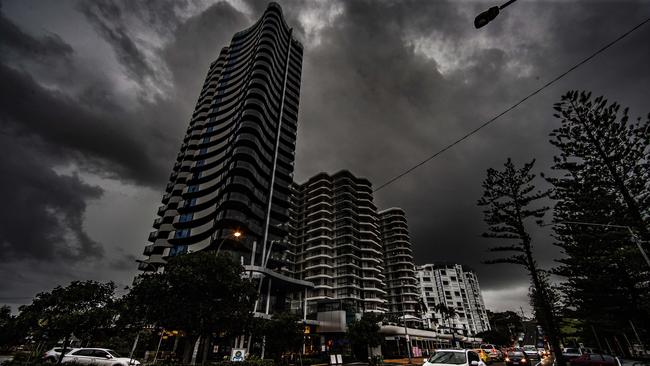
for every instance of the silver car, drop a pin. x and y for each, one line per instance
(52, 356)
(98, 357)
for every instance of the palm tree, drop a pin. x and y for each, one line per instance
(447, 313)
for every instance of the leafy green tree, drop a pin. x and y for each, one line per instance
(506, 322)
(599, 144)
(198, 293)
(82, 308)
(10, 331)
(284, 333)
(603, 163)
(495, 337)
(508, 198)
(364, 333)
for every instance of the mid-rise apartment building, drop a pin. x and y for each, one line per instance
(454, 286)
(335, 232)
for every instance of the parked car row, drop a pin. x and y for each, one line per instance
(89, 356)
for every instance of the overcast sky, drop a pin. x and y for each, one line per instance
(95, 98)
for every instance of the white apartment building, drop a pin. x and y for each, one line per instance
(457, 287)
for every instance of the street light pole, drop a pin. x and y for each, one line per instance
(406, 332)
(487, 16)
(236, 234)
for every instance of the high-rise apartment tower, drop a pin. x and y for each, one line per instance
(235, 166)
(403, 299)
(336, 235)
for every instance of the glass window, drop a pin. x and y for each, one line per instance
(177, 250)
(193, 188)
(83, 352)
(471, 356)
(113, 353)
(454, 358)
(99, 353)
(186, 217)
(184, 233)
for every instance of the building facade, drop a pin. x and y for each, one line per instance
(454, 286)
(399, 269)
(229, 190)
(335, 231)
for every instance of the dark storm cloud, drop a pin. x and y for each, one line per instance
(106, 17)
(72, 129)
(15, 40)
(43, 218)
(384, 84)
(87, 126)
(372, 103)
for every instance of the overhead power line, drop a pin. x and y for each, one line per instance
(488, 122)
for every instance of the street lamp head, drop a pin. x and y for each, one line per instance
(485, 17)
(237, 234)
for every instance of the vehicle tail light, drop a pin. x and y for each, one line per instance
(523, 360)
(507, 359)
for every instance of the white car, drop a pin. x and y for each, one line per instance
(571, 353)
(459, 357)
(52, 356)
(98, 357)
(531, 351)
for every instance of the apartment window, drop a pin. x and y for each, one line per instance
(186, 217)
(193, 188)
(178, 250)
(191, 202)
(445, 283)
(426, 279)
(452, 278)
(456, 293)
(206, 140)
(184, 233)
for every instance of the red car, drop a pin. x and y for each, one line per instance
(595, 359)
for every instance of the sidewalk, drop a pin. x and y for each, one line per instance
(418, 361)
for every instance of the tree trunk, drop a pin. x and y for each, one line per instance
(547, 311)
(65, 348)
(187, 349)
(206, 348)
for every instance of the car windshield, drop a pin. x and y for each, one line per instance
(515, 353)
(530, 348)
(113, 353)
(454, 358)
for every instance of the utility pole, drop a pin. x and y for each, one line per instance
(635, 238)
